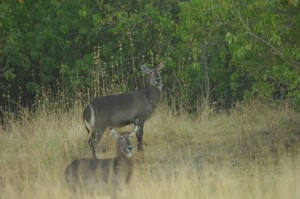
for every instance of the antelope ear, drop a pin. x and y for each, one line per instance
(114, 134)
(145, 69)
(161, 65)
(135, 130)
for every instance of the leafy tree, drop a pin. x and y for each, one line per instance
(265, 46)
(216, 52)
(203, 25)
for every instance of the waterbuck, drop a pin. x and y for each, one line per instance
(122, 109)
(89, 175)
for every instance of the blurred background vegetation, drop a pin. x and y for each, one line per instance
(215, 52)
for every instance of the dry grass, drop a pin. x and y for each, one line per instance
(250, 152)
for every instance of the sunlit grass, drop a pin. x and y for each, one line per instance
(249, 152)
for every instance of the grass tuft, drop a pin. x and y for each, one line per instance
(251, 151)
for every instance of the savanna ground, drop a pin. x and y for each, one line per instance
(251, 151)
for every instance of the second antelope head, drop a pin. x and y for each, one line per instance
(123, 146)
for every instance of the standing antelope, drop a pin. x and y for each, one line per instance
(87, 175)
(122, 109)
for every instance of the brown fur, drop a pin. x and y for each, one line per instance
(91, 175)
(122, 109)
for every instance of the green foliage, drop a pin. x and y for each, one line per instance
(263, 44)
(218, 52)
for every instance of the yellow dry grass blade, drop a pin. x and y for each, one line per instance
(249, 152)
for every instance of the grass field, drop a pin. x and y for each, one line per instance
(252, 151)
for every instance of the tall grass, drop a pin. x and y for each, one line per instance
(249, 152)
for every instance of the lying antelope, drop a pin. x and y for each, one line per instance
(123, 109)
(89, 175)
